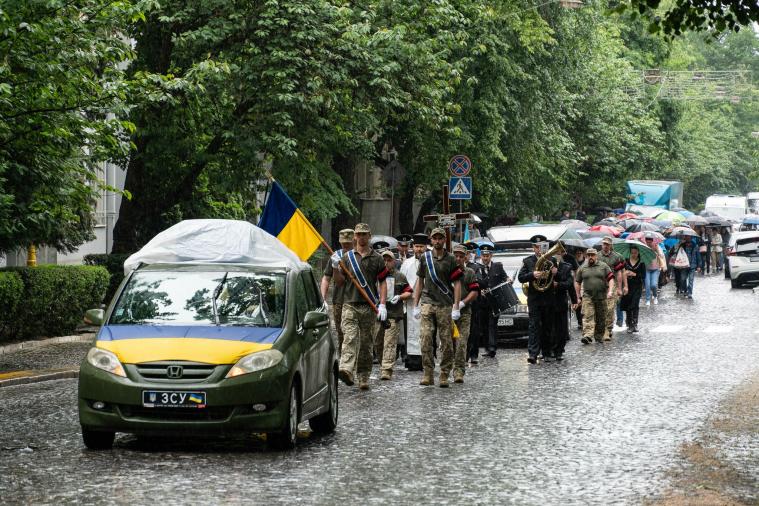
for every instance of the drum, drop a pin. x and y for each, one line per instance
(501, 297)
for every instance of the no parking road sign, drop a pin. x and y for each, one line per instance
(460, 188)
(460, 165)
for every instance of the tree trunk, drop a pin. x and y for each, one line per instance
(405, 209)
(428, 206)
(346, 169)
(131, 213)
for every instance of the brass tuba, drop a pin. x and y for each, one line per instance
(545, 264)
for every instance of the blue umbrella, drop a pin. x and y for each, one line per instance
(751, 220)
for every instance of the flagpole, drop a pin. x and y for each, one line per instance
(353, 279)
(343, 269)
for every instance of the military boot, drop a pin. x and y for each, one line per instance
(458, 376)
(386, 375)
(443, 380)
(427, 379)
(363, 383)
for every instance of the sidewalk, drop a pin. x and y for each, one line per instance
(47, 359)
(721, 466)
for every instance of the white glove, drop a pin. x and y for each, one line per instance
(417, 312)
(381, 313)
(334, 260)
(461, 305)
(395, 299)
(455, 314)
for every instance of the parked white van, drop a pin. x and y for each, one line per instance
(728, 206)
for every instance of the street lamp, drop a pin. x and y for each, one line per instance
(571, 4)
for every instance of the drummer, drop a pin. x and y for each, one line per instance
(470, 290)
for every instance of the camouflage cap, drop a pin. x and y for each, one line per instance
(460, 248)
(386, 253)
(362, 228)
(346, 235)
(591, 251)
(607, 240)
(437, 231)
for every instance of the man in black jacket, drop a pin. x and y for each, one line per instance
(479, 311)
(539, 304)
(491, 274)
(564, 292)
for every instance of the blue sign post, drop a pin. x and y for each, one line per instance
(460, 188)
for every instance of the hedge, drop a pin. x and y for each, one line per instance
(55, 298)
(115, 265)
(11, 291)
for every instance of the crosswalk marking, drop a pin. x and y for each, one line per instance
(718, 329)
(662, 329)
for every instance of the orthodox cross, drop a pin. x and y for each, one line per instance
(447, 220)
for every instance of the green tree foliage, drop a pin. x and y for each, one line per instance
(676, 17)
(61, 94)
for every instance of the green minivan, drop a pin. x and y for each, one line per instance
(210, 348)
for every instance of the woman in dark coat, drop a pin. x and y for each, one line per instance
(635, 270)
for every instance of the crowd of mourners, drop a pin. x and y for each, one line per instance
(603, 273)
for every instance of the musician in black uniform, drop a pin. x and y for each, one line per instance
(563, 292)
(475, 333)
(539, 304)
(491, 274)
(404, 242)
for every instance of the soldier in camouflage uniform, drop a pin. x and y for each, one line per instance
(470, 289)
(338, 278)
(593, 288)
(358, 317)
(440, 296)
(400, 292)
(616, 263)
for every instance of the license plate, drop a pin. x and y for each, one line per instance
(505, 322)
(173, 399)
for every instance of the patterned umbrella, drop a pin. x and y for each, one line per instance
(683, 231)
(614, 231)
(625, 216)
(641, 236)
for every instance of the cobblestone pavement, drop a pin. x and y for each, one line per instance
(602, 427)
(54, 356)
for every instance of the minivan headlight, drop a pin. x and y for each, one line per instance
(257, 361)
(105, 360)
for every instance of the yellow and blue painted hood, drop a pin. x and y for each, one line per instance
(134, 344)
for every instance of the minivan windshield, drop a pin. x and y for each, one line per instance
(184, 297)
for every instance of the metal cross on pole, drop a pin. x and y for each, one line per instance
(447, 220)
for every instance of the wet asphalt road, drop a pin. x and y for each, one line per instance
(602, 427)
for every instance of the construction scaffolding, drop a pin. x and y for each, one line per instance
(732, 85)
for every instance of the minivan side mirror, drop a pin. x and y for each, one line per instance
(315, 319)
(94, 317)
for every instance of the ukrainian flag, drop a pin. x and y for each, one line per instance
(282, 219)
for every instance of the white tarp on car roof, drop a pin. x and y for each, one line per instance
(214, 241)
(523, 233)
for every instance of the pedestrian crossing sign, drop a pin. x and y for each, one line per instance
(460, 188)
